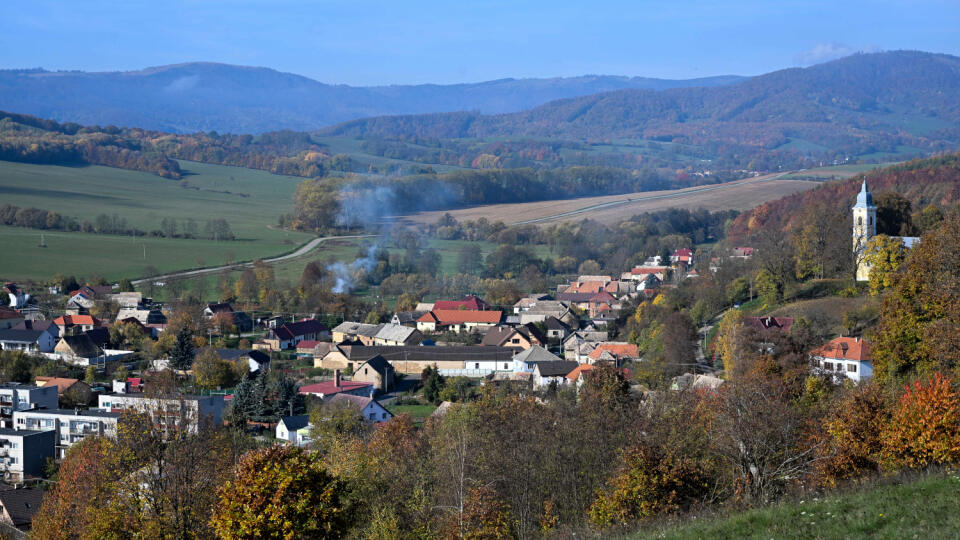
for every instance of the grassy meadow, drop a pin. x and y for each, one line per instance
(254, 202)
(922, 508)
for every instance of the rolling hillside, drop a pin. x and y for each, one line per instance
(891, 102)
(191, 97)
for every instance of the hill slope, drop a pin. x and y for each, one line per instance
(857, 105)
(205, 96)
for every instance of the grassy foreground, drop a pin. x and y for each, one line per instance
(924, 508)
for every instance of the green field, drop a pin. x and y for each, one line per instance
(255, 201)
(924, 508)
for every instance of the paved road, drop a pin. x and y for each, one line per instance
(684, 193)
(303, 250)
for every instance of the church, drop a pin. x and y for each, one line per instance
(865, 228)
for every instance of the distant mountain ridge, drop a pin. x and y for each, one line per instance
(200, 96)
(878, 102)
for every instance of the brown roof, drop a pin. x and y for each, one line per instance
(67, 320)
(7, 313)
(62, 383)
(623, 350)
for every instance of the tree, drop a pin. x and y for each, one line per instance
(281, 492)
(432, 384)
(591, 267)
(732, 344)
(924, 428)
(928, 219)
(852, 430)
(246, 285)
(894, 216)
(125, 285)
(210, 371)
(183, 351)
(470, 260)
(884, 255)
(769, 286)
(91, 376)
(315, 206)
(919, 330)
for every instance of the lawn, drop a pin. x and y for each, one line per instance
(254, 202)
(418, 412)
(923, 508)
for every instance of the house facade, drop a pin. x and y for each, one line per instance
(29, 341)
(843, 358)
(69, 426)
(294, 430)
(24, 452)
(174, 412)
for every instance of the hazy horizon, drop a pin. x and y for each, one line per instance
(374, 43)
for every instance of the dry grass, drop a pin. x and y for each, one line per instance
(740, 195)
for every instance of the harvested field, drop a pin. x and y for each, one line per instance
(740, 195)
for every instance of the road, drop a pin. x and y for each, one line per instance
(303, 250)
(684, 193)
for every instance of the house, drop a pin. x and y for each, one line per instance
(18, 506)
(30, 341)
(370, 409)
(24, 452)
(522, 337)
(327, 389)
(614, 352)
(534, 311)
(130, 299)
(458, 320)
(294, 429)
(376, 371)
(526, 360)
(290, 334)
(19, 397)
(556, 329)
(763, 324)
(9, 318)
(79, 350)
(69, 426)
(49, 327)
(255, 360)
(407, 318)
(70, 324)
(450, 360)
(640, 273)
(144, 316)
(469, 303)
(72, 391)
(240, 320)
(843, 357)
(579, 374)
(742, 253)
(579, 344)
(682, 256)
(16, 298)
(397, 335)
(173, 412)
(547, 373)
(355, 331)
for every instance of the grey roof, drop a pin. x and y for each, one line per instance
(554, 323)
(378, 363)
(535, 355)
(36, 325)
(8, 432)
(20, 336)
(395, 332)
(355, 328)
(297, 421)
(497, 335)
(21, 504)
(558, 368)
(369, 330)
(233, 354)
(83, 346)
(408, 317)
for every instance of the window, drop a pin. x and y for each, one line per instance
(365, 370)
(515, 341)
(852, 368)
(828, 366)
(373, 416)
(384, 415)
(860, 221)
(476, 365)
(506, 365)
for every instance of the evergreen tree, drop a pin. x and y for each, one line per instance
(181, 356)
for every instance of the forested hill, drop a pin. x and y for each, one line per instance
(878, 102)
(921, 183)
(192, 97)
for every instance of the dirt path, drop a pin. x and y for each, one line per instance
(299, 252)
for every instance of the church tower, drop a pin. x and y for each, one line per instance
(864, 228)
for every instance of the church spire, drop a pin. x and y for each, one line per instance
(864, 198)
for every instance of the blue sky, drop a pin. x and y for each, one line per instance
(449, 41)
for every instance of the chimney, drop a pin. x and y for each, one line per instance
(336, 378)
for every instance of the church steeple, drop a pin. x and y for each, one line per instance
(864, 228)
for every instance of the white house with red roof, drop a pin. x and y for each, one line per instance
(848, 357)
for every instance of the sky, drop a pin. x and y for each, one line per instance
(362, 42)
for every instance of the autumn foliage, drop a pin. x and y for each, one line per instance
(924, 428)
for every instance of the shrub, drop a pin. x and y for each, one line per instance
(924, 429)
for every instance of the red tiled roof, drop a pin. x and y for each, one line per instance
(643, 270)
(62, 383)
(575, 374)
(626, 350)
(310, 344)
(7, 313)
(683, 252)
(458, 316)
(846, 348)
(328, 388)
(67, 320)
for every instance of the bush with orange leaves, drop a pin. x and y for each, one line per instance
(924, 428)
